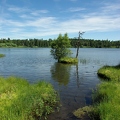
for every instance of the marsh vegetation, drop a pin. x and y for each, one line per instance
(20, 100)
(106, 97)
(2, 55)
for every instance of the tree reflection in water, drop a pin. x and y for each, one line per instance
(77, 76)
(61, 73)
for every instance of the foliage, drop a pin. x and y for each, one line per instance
(83, 112)
(25, 43)
(68, 60)
(59, 47)
(21, 101)
(91, 43)
(2, 55)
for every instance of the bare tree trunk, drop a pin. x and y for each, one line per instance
(77, 51)
(78, 43)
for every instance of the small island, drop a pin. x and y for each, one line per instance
(2, 55)
(60, 50)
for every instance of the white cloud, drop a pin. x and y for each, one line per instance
(17, 9)
(44, 22)
(32, 24)
(38, 12)
(24, 10)
(76, 9)
(51, 26)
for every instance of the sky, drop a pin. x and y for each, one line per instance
(44, 19)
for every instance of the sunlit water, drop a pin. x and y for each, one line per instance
(74, 83)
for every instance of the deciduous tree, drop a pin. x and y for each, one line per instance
(60, 47)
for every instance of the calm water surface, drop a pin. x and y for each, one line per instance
(74, 83)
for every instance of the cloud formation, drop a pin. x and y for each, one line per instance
(23, 22)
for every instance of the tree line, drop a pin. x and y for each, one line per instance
(84, 43)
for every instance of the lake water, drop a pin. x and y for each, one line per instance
(74, 83)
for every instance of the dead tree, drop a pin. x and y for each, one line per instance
(78, 42)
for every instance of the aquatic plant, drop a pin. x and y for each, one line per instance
(2, 55)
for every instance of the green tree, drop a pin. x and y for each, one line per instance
(60, 47)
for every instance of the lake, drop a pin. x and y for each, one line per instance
(74, 83)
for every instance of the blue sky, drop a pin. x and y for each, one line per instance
(24, 19)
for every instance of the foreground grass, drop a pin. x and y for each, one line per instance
(68, 60)
(21, 101)
(2, 55)
(107, 101)
(106, 98)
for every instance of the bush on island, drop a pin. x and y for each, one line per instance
(2, 55)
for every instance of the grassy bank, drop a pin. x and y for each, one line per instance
(106, 98)
(20, 100)
(2, 55)
(111, 73)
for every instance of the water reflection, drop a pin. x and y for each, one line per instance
(61, 73)
(77, 76)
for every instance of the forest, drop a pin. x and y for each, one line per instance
(83, 43)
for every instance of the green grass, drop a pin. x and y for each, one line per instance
(2, 55)
(68, 60)
(110, 72)
(107, 101)
(106, 98)
(20, 100)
